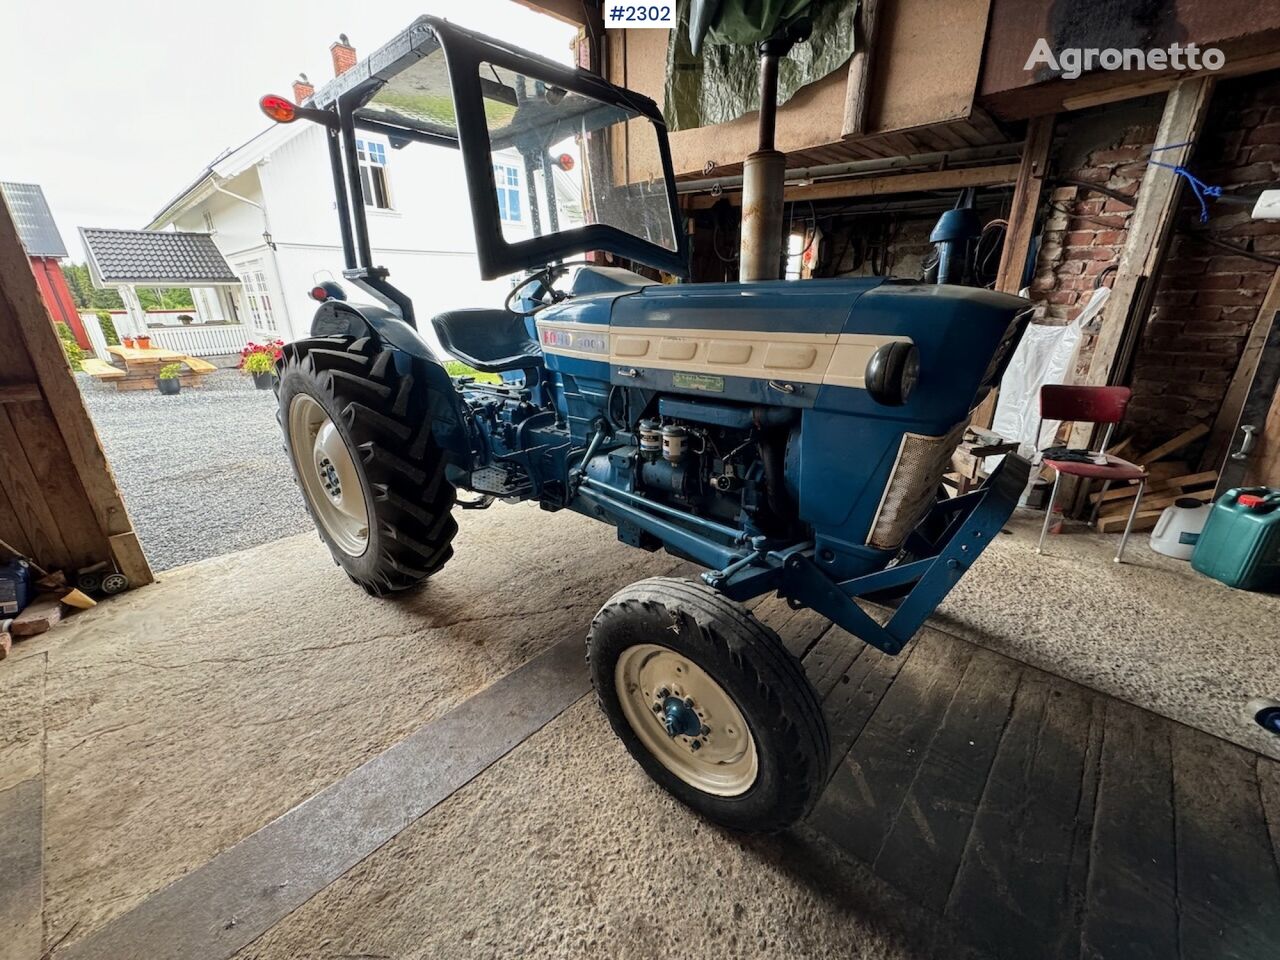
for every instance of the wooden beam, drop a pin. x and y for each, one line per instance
(953, 179)
(1224, 425)
(1172, 446)
(57, 435)
(1147, 242)
(19, 393)
(857, 107)
(1017, 235)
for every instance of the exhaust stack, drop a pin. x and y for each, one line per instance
(764, 171)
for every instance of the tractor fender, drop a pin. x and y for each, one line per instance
(449, 422)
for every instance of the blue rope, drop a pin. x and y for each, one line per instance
(1198, 186)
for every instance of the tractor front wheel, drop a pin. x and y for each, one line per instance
(358, 433)
(710, 703)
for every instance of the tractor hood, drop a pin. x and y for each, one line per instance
(545, 147)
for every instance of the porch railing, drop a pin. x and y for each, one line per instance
(196, 340)
(202, 339)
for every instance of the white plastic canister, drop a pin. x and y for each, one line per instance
(1179, 528)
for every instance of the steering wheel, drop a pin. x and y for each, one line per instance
(546, 276)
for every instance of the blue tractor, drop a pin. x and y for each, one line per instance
(788, 437)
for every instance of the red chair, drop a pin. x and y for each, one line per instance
(1090, 405)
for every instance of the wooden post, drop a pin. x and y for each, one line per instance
(857, 107)
(1022, 219)
(1145, 249)
(1147, 243)
(56, 488)
(1222, 435)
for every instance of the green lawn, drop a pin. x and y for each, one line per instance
(456, 368)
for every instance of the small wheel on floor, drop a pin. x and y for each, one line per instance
(710, 703)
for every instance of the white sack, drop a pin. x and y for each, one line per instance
(1045, 355)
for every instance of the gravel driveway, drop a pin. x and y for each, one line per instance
(202, 473)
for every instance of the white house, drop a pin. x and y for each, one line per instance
(269, 208)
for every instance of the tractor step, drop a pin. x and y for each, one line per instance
(504, 480)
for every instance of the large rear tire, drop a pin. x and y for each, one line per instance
(710, 703)
(358, 433)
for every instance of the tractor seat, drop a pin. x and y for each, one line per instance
(491, 340)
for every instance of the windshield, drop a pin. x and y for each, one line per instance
(560, 161)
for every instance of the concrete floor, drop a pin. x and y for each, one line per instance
(171, 723)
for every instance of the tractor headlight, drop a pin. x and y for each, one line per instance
(893, 372)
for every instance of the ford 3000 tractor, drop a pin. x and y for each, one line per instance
(788, 437)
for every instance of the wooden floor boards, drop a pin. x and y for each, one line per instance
(1045, 819)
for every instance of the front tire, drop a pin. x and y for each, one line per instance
(358, 433)
(710, 703)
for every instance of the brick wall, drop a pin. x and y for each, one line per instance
(1207, 298)
(1084, 233)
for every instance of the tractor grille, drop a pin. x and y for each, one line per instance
(913, 485)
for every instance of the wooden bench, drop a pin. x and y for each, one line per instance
(101, 370)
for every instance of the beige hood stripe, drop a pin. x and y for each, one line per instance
(836, 359)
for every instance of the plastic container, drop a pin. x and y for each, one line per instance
(1178, 528)
(1240, 542)
(15, 587)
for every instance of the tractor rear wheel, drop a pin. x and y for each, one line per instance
(710, 703)
(358, 434)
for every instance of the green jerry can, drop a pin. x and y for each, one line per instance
(1240, 543)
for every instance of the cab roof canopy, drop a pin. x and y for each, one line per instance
(405, 88)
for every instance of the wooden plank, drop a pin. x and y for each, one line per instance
(1227, 880)
(30, 507)
(867, 790)
(802, 631)
(952, 179)
(857, 107)
(50, 462)
(1158, 502)
(1144, 520)
(1227, 421)
(922, 851)
(1182, 440)
(1147, 241)
(1268, 774)
(1131, 897)
(1179, 482)
(20, 393)
(129, 558)
(40, 615)
(856, 685)
(1022, 219)
(1014, 883)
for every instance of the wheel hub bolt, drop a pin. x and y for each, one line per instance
(696, 745)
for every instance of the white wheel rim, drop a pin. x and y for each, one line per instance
(329, 476)
(724, 762)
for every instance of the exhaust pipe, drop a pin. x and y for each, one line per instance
(764, 171)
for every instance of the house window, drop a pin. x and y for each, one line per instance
(508, 180)
(257, 295)
(373, 173)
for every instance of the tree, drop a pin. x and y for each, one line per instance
(165, 298)
(85, 294)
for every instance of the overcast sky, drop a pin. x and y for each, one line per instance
(116, 105)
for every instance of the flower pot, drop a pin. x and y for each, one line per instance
(128, 342)
(262, 380)
(169, 387)
(144, 343)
